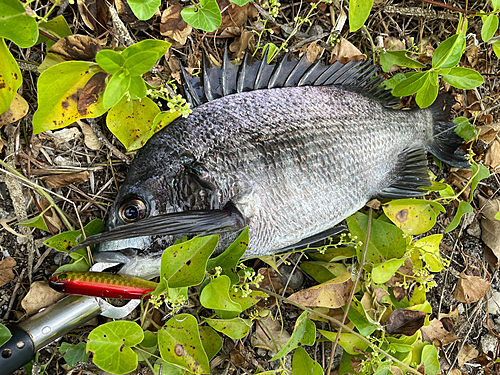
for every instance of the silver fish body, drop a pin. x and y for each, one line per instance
(292, 162)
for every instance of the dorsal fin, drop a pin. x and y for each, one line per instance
(253, 74)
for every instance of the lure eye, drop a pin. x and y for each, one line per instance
(132, 209)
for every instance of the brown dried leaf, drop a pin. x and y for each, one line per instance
(65, 179)
(453, 314)
(173, 26)
(63, 139)
(467, 354)
(471, 288)
(472, 54)
(405, 322)
(40, 295)
(239, 46)
(17, 110)
(6, 270)
(490, 227)
(95, 14)
(426, 55)
(89, 136)
(492, 157)
(76, 47)
(393, 44)
(314, 52)
(90, 92)
(487, 133)
(127, 16)
(232, 14)
(345, 52)
(332, 294)
(51, 216)
(265, 331)
(436, 331)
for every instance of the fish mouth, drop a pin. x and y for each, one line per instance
(132, 262)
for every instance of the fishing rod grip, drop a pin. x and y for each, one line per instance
(41, 329)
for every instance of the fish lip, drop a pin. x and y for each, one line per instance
(122, 256)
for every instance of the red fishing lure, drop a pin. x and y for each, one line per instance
(101, 284)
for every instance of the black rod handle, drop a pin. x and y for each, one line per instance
(16, 352)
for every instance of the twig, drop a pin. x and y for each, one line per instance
(353, 291)
(13, 296)
(446, 6)
(120, 155)
(346, 328)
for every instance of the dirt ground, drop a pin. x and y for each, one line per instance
(40, 158)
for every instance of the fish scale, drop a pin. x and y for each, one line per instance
(288, 162)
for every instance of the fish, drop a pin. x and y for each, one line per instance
(288, 150)
(101, 284)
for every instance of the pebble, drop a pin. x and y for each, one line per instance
(494, 304)
(296, 279)
(488, 343)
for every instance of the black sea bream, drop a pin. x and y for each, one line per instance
(289, 150)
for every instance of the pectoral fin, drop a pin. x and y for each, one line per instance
(315, 238)
(178, 223)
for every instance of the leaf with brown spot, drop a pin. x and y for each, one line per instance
(17, 110)
(91, 91)
(40, 295)
(65, 179)
(334, 293)
(471, 288)
(436, 331)
(405, 322)
(6, 270)
(173, 25)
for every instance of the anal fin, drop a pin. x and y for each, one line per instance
(313, 239)
(411, 173)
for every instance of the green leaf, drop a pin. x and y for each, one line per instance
(463, 78)
(413, 216)
(235, 328)
(184, 264)
(216, 295)
(66, 240)
(430, 359)
(334, 254)
(496, 48)
(399, 58)
(497, 215)
(495, 4)
(131, 121)
(357, 316)
(347, 341)
(303, 364)
(384, 271)
(479, 173)
(58, 94)
(428, 93)
(144, 9)
(10, 77)
(73, 354)
(116, 88)
(180, 344)
(140, 63)
(465, 129)
(304, 332)
(111, 344)
(35, 222)
(211, 341)
(411, 84)
(138, 89)
(359, 10)
(111, 61)
(428, 247)
(241, 2)
(490, 27)
(57, 27)
(149, 45)
(449, 52)
(206, 17)
(230, 257)
(391, 83)
(16, 25)
(386, 240)
(323, 271)
(5, 334)
(463, 208)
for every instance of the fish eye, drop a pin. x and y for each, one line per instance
(132, 209)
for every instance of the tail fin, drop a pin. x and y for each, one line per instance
(445, 142)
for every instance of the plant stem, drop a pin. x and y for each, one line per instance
(353, 291)
(446, 6)
(346, 328)
(40, 190)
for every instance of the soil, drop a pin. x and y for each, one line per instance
(412, 22)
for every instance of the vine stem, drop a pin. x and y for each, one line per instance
(353, 291)
(346, 328)
(446, 6)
